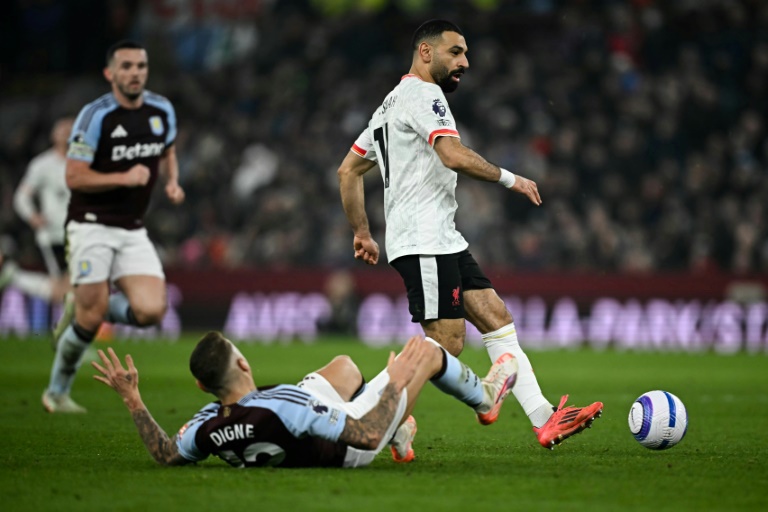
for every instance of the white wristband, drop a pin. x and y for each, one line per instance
(507, 178)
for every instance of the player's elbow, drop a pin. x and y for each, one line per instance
(449, 150)
(450, 161)
(345, 173)
(450, 158)
(342, 173)
(167, 462)
(362, 434)
(70, 177)
(20, 204)
(163, 462)
(169, 459)
(371, 442)
(74, 174)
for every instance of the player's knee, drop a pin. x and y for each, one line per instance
(149, 314)
(452, 340)
(90, 315)
(454, 344)
(344, 365)
(89, 320)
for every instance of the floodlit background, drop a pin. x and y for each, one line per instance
(643, 123)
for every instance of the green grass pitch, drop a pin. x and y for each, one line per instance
(97, 461)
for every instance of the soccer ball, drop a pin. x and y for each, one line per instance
(658, 420)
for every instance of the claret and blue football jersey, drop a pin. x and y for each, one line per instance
(272, 426)
(113, 139)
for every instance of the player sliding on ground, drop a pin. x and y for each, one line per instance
(331, 418)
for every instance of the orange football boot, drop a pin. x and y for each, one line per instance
(402, 442)
(566, 422)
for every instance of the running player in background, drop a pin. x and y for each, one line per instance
(43, 184)
(34, 284)
(119, 146)
(331, 418)
(413, 138)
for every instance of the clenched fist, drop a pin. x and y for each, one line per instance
(136, 176)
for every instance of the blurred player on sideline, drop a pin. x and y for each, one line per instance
(43, 184)
(331, 418)
(413, 138)
(119, 145)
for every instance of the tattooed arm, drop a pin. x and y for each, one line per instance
(126, 382)
(163, 449)
(367, 432)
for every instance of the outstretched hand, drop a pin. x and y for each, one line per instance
(402, 368)
(528, 188)
(124, 381)
(366, 249)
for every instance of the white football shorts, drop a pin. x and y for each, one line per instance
(97, 253)
(318, 386)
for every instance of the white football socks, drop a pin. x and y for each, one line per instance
(526, 389)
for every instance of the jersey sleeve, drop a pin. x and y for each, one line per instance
(310, 418)
(363, 146)
(431, 115)
(85, 135)
(166, 106)
(170, 137)
(186, 437)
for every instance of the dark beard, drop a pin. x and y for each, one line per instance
(447, 85)
(443, 79)
(132, 96)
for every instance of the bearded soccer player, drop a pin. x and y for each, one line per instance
(413, 138)
(120, 144)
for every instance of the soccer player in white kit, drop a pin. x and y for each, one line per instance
(43, 184)
(413, 138)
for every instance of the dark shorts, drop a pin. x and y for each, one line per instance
(61, 257)
(435, 284)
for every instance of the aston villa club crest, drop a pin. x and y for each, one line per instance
(83, 268)
(156, 125)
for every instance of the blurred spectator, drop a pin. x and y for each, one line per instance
(342, 296)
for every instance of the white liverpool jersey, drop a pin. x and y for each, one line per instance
(419, 191)
(45, 179)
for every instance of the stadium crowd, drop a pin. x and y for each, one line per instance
(643, 122)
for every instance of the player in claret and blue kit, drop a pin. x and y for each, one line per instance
(120, 144)
(331, 418)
